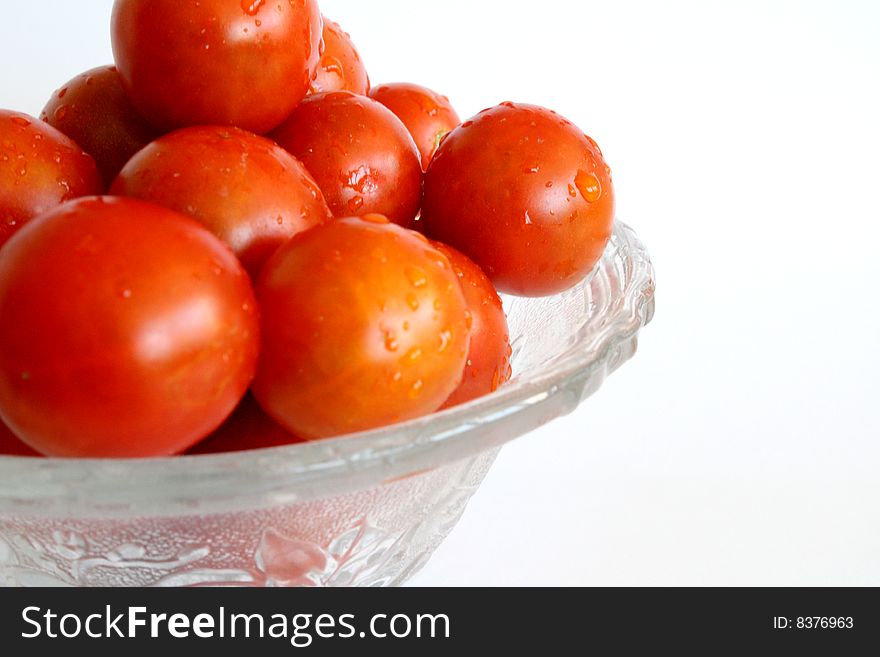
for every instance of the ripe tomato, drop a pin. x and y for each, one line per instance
(427, 115)
(126, 330)
(360, 153)
(381, 337)
(94, 111)
(341, 67)
(10, 445)
(245, 189)
(523, 193)
(40, 168)
(488, 363)
(248, 428)
(246, 63)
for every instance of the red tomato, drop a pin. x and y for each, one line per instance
(360, 153)
(248, 428)
(523, 193)
(94, 111)
(488, 363)
(364, 325)
(246, 63)
(341, 67)
(40, 168)
(10, 445)
(427, 115)
(126, 330)
(245, 189)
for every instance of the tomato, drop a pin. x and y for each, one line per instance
(488, 362)
(427, 115)
(246, 63)
(126, 330)
(341, 67)
(362, 156)
(40, 168)
(523, 193)
(94, 111)
(248, 428)
(245, 189)
(10, 445)
(364, 324)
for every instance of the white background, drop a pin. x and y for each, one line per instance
(742, 444)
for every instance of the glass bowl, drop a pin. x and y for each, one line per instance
(367, 510)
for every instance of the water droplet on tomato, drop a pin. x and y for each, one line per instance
(593, 143)
(445, 340)
(252, 7)
(413, 302)
(589, 186)
(356, 204)
(417, 389)
(391, 343)
(417, 277)
(20, 121)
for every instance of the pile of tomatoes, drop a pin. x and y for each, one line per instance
(186, 267)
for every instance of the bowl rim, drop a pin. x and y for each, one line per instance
(338, 465)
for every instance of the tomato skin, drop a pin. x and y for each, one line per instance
(94, 111)
(382, 338)
(341, 67)
(488, 362)
(10, 445)
(525, 194)
(40, 168)
(247, 429)
(246, 64)
(427, 115)
(361, 155)
(245, 189)
(126, 330)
